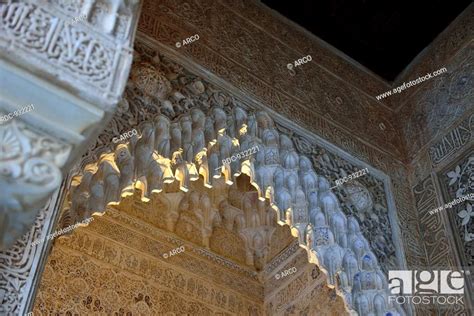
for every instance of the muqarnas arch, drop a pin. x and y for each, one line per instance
(187, 141)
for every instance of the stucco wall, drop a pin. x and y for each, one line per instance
(438, 125)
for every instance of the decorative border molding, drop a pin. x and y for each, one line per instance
(282, 257)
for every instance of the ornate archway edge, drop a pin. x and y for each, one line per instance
(253, 103)
(104, 185)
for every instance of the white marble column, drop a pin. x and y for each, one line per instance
(63, 68)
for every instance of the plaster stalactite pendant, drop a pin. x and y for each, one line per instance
(300, 197)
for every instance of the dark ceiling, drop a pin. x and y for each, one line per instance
(383, 35)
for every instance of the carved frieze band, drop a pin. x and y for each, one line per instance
(135, 284)
(278, 260)
(432, 226)
(91, 55)
(453, 141)
(168, 238)
(119, 227)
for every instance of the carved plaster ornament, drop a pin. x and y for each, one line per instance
(359, 195)
(300, 197)
(229, 214)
